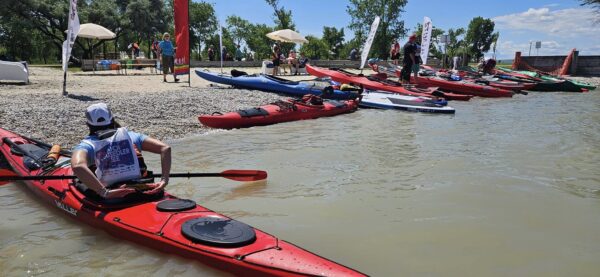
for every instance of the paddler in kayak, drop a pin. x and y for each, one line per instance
(113, 152)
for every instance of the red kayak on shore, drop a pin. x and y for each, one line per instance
(282, 111)
(162, 221)
(373, 83)
(461, 87)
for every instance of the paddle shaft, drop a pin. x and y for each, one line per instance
(172, 175)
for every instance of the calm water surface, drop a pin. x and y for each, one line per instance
(506, 187)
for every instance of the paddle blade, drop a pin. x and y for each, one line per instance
(244, 175)
(6, 173)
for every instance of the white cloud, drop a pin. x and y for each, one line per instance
(507, 49)
(564, 23)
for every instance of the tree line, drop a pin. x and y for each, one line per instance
(34, 30)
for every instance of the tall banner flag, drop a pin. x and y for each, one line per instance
(426, 38)
(221, 45)
(367, 47)
(72, 31)
(182, 37)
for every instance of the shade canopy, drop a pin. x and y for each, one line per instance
(91, 30)
(287, 35)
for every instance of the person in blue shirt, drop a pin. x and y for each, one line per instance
(167, 52)
(110, 155)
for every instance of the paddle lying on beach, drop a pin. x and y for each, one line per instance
(233, 174)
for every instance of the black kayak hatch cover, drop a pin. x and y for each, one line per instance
(175, 205)
(220, 232)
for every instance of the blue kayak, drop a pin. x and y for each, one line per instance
(277, 85)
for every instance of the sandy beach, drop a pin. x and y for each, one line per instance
(141, 101)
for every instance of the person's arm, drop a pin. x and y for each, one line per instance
(79, 164)
(159, 147)
(412, 57)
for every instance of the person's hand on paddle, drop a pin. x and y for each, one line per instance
(158, 186)
(119, 192)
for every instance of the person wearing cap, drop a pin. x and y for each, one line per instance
(167, 52)
(410, 48)
(110, 150)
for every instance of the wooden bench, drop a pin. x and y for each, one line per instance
(130, 64)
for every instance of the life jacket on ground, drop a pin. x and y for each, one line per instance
(115, 157)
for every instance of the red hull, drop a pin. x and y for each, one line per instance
(277, 115)
(465, 87)
(349, 78)
(144, 224)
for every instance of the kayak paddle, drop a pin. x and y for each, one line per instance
(237, 175)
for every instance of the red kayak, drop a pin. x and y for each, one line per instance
(163, 221)
(282, 111)
(464, 87)
(461, 87)
(370, 83)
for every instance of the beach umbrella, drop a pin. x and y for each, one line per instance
(94, 31)
(91, 30)
(287, 35)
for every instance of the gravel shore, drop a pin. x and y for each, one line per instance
(140, 102)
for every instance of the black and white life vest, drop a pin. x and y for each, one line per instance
(115, 158)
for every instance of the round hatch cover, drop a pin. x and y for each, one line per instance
(221, 232)
(175, 205)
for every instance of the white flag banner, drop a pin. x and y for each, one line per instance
(221, 45)
(426, 39)
(367, 47)
(72, 32)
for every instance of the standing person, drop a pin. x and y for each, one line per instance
(409, 59)
(395, 52)
(238, 53)
(275, 53)
(353, 53)
(224, 52)
(417, 65)
(293, 61)
(167, 52)
(154, 48)
(211, 53)
(113, 152)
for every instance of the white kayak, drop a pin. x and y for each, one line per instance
(384, 100)
(14, 72)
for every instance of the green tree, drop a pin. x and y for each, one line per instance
(363, 12)
(315, 48)
(239, 28)
(334, 39)
(455, 46)
(258, 42)
(203, 23)
(283, 18)
(480, 34)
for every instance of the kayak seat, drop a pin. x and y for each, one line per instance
(253, 112)
(91, 198)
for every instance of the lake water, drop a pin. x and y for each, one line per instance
(506, 187)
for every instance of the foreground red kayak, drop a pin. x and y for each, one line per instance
(345, 77)
(165, 222)
(282, 111)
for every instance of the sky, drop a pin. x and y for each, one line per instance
(559, 25)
